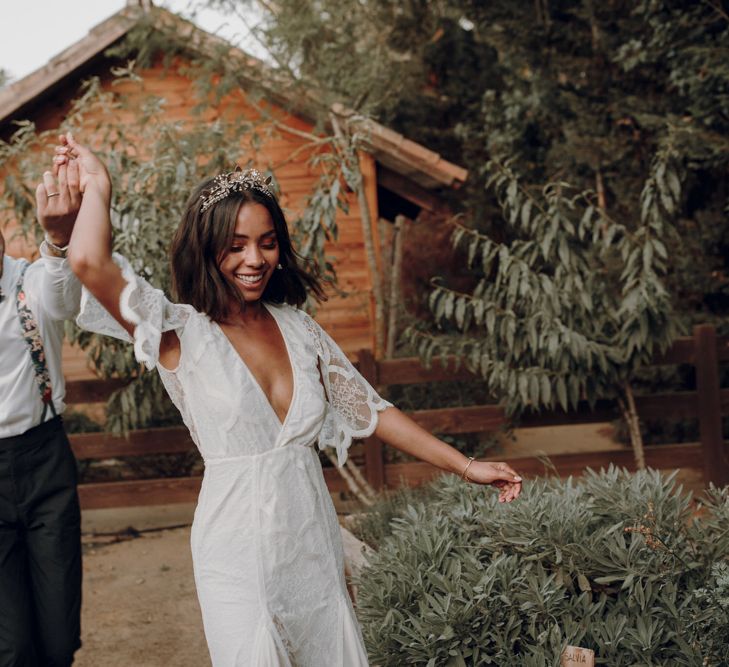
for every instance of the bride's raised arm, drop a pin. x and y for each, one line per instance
(89, 252)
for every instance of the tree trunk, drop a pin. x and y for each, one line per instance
(400, 221)
(349, 479)
(350, 472)
(367, 489)
(630, 414)
(600, 188)
(369, 244)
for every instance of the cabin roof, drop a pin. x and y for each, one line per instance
(392, 150)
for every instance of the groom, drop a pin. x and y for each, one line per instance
(40, 525)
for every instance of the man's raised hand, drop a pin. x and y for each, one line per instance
(58, 199)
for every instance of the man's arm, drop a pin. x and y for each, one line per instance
(59, 290)
(58, 201)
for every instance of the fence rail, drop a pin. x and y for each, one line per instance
(703, 350)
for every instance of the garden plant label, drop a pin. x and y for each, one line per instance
(573, 656)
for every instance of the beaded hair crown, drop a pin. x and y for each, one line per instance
(235, 181)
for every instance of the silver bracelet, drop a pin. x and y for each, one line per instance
(55, 247)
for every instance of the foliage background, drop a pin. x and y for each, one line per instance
(566, 89)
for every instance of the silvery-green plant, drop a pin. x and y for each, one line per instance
(615, 562)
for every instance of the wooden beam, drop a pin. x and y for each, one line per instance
(461, 420)
(407, 189)
(678, 405)
(707, 404)
(91, 391)
(138, 443)
(374, 450)
(136, 493)
(412, 371)
(716, 466)
(681, 352)
(186, 489)
(395, 151)
(369, 216)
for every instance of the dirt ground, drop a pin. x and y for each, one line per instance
(139, 602)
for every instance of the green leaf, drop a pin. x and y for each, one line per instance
(647, 256)
(449, 305)
(460, 312)
(526, 214)
(563, 252)
(674, 184)
(433, 300)
(523, 383)
(472, 249)
(534, 389)
(546, 390)
(562, 393)
(491, 321)
(660, 248)
(479, 307)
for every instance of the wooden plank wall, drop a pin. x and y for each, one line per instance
(348, 320)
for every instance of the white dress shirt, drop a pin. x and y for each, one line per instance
(53, 294)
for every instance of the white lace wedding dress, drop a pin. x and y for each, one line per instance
(266, 545)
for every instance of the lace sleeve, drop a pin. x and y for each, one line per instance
(353, 403)
(142, 305)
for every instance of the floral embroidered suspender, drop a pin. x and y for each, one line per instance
(31, 334)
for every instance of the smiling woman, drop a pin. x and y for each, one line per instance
(219, 250)
(259, 384)
(254, 254)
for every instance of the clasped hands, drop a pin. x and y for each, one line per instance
(58, 196)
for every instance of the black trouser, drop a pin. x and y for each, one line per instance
(40, 549)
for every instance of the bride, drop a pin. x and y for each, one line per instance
(258, 384)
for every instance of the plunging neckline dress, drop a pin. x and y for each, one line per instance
(266, 546)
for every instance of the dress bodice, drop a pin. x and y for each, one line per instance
(220, 401)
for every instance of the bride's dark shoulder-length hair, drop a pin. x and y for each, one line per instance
(204, 237)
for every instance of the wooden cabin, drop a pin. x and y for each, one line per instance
(400, 176)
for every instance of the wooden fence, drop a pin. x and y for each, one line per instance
(707, 404)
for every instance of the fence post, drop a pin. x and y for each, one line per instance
(374, 451)
(716, 466)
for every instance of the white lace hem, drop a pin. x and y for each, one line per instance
(143, 306)
(337, 433)
(354, 406)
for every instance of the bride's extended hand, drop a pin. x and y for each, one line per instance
(92, 171)
(500, 475)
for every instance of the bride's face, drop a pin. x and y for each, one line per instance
(254, 253)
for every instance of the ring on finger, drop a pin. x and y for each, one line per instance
(53, 194)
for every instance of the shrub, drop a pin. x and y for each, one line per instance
(615, 562)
